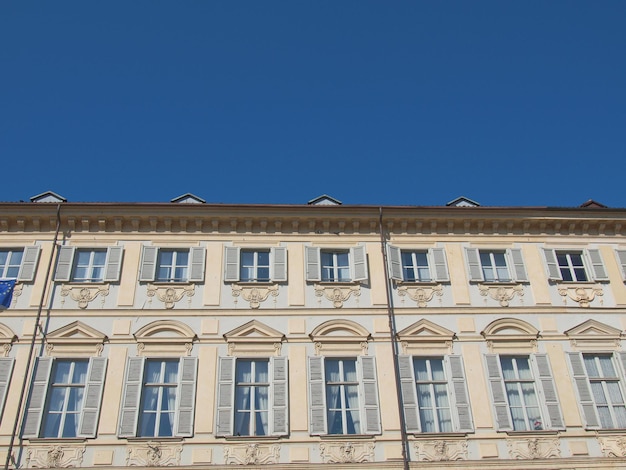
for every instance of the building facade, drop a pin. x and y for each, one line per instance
(201, 335)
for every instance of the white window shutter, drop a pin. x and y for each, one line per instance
(597, 266)
(550, 397)
(473, 265)
(279, 263)
(369, 393)
(583, 388)
(460, 394)
(231, 264)
(394, 258)
(225, 396)
(92, 397)
(317, 396)
(147, 271)
(517, 263)
(498, 394)
(409, 394)
(279, 395)
(197, 256)
(37, 401)
(64, 263)
(438, 264)
(554, 273)
(6, 368)
(313, 264)
(131, 397)
(113, 263)
(358, 260)
(29, 263)
(621, 359)
(187, 373)
(621, 258)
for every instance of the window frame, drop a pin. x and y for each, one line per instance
(514, 260)
(65, 267)
(357, 262)
(436, 258)
(593, 264)
(28, 262)
(277, 264)
(150, 258)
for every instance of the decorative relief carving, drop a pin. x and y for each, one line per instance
(337, 294)
(170, 295)
(583, 295)
(441, 450)
(153, 454)
(254, 294)
(533, 448)
(55, 456)
(613, 446)
(502, 294)
(252, 454)
(421, 294)
(17, 291)
(347, 452)
(84, 294)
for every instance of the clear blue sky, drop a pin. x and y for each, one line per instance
(371, 102)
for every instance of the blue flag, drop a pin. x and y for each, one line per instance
(6, 292)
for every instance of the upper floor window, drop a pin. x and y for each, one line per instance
(331, 265)
(417, 265)
(496, 265)
(159, 396)
(255, 265)
(18, 263)
(10, 263)
(575, 265)
(89, 265)
(571, 266)
(172, 265)
(335, 266)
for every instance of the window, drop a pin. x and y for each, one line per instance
(434, 393)
(523, 392)
(18, 263)
(571, 266)
(330, 265)
(255, 265)
(89, 265)
(172, 265)
(252, 397)
(343, 396)
(10, 263)
(575, 266)
(600, 389)
(417, 265)
(495, 265)
(65, 398)
(159, 397)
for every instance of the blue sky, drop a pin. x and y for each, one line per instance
(372, 102)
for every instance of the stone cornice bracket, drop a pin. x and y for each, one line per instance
(347, 452)
(54, 456)
(613, 446)
(422, 295)
(337, 294)
(502, 294)
(84, 294)
(440, 450)
(252, 454)
(153, 454)
(254, 294)
(170, 295)
(582, 295)
(533, 448)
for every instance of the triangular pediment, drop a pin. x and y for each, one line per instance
(593, 329)
(76, 332)
(255, 331)
(425, 330)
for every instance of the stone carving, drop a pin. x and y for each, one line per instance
(420, 294)
(337, 294)
(84, 294)
(347, 452)
(613, 446)
(533, 448)
(254, 294)
(441, 450)
(153, 454)
(252, 454)
(502, 294)
(169, 295)
(55, 456)
(581, 295)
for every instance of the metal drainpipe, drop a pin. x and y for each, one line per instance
(406, 455)
(28, 377)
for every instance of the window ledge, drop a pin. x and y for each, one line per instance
(609, 432)
(251, 438)
(254, 283)
(57, 440)
(347, 437)
(336, 283)
(499, 283)
(539, 432)
(419, 283)
(439, 435)
(155, 438)
(169, 283)
(85, 283)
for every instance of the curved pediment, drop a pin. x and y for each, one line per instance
(165, 337)
(595, 335)
(510, 327)
(75, 339)
(6, 334)
(165, 329)
(337, 337)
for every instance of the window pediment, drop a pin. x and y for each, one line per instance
(427, 337)
(75, 339)
(507, 334)
(594, 335)
(165, 338)
(336, 337)
(254, 339)
(6, 339)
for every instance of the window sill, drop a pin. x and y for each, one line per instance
(169, 283)
(57, 440)
(155, 438)
(255, 283)
(539, 432)
(439, 435)
(418, 283)
(86, 283)
(251, 438)
(499, 283)
(346, 437)
(336, 283)
(609, 432)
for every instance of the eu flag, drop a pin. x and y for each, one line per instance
(6, 292)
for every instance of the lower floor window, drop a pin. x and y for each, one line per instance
(432, 395)
(252, 398)
(342, 396)
(158, 407)
(521, 393)
(65, 399)
(606, 390)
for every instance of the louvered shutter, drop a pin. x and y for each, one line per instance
(359, 263)
(92, 397)
(279, 263)
(498, 394)
(131, 397)
(148, 263)
(621, 358)
(409, 394)
(548, 387)
(279, 395)
(597, 266)
(519, 270)
(317, 396)
(231, 264)
(621, 258)
(585, 397)
(113, 263)
(6, 368)
(394, 258)
(187, 396)
(29, 263)
(439, 264)
(197, 255)
(37, 401)
(473, 264)
(459, 393)
(313, 265)
(554, 273)
(369, 392)
(64, 263)
(225, 396)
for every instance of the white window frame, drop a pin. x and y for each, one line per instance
(66, 264)
(357, 261)
(150, 259)
(277, 264)
(91, 265)
(27, 265)
(514, 264)
(173, 266)
(592, 264)
(436, 259)
(161, 387)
